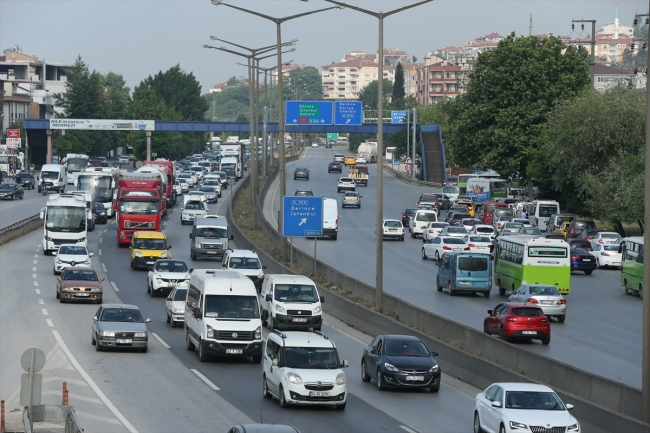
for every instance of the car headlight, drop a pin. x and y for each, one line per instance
(107, 334)
(390, 367)
(317, 310)
(340, 379)
(140, 334)
(58, 260)
(279, 308)
(159, 281)
(260, 275)
(81, 240)
(95, 289)
(197, 244)
(258, 333)
(179, 310)
(103, 213)
(517, 425)
(210, 333)
(434, 369)
(164, 255)
(294, 378)
(138, 254)
(87, 262)
(573, 427)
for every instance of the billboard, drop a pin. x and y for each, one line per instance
(104, 124)
(479, 189)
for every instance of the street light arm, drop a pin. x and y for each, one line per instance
(256, 50)
(377, 14)
(275, 54)
(268, 17)
(248, 56)
(394, 11)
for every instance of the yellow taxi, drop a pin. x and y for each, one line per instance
(564, 228)
(147, 247)
(470, 206)
(350, 160)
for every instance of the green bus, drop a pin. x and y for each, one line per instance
(484, 190)
(463, 178)
(529, 260)
(632, 265)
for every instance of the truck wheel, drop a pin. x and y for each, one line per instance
(334, 237)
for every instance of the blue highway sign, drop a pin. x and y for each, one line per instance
(302, 216)
(308, 113)
(348, 113)
(399, 116)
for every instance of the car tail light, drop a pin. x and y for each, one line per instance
(575, 258)
(402, 230)
(431, 231)
(512, 319)
(545, 319)
(337, 223)
(605, 254)
(532, 301)
(403, 215)
(466, 249)
(472, 245)
(562, 301)
(446, 248)
(417, 203)
(600, 241)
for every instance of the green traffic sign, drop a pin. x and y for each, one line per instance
(332, 136)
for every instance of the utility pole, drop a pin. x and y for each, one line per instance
(530, 27)
(592, 64)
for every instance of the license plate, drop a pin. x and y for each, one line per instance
(212, 252)
(81, 295)
(299, 319)
(457, 249)
(124, 341)
(414, 378)
(546, 302)
(173, 284)
(150, 263)
(319, 393)
(586, 260)
(234, 351)
(481, 247)
(616, 263)
(529, 332)
(392, 230)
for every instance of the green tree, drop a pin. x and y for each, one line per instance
(600, 162)
(180, 91)
(398, 88)
(117, 96)
(368, 95)
(303, 84)
(497, 123)
(83, 96)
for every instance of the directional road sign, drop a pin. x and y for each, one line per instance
(348, 113)
(302, 216)
(332, 136)
(399, 116)
(395, 161)
(308, 113)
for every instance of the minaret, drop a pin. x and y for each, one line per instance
(616, 24)
(530, 27)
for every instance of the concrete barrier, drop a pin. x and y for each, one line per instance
(466, 353)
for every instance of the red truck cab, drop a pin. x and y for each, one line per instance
(139, 206)
(487, 208)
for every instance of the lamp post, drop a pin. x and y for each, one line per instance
(379, 278)
(283, 166)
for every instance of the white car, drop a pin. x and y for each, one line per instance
(524, 221)
(454, 231)
(124, 159)
(70, 255)
(603, 238)
(420, 219)
(478, 244)
(432, 230)
(499, 222)
(469, 223)
(165, 275)
(607, 255)
(178, 187)
(483, 230)
(442, 244)
(187, 177)
(361, 159)
(346, 184)
(184, 183)
(303, 368)
(522, 407)
(175, 305)
(314, 145)
(393, 229)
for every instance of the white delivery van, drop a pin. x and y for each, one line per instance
(420, 219)
(55, 178)
(330, 218)
(292, 302)
(222, 315)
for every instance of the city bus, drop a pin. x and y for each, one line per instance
(463, 178)
(486, 189)
(529, 260)
(632, 265)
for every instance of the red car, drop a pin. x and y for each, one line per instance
(517, 320)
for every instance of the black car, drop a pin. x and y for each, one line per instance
(26, 180)
(11, 190)
(328, 145)
(335, 167)
(400, 361)
(406, 216)
(301, 172)
(577, 226)
(100, 214)
(552, 236)
(304, 193)
(582, 244)
(581, 260)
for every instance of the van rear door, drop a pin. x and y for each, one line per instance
(473, 272)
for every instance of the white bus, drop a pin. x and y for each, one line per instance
(64, 218)
(74, 164)
(463, 178)
(542, 211)
(101, 182)
(532, 260)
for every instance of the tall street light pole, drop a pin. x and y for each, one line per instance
(592, 63)
(379, 220)
(283, 165)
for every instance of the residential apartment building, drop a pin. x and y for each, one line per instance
(438, 82)
(344, 80)
(606, 77)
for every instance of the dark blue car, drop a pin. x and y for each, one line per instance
(100, 214)
(406, 216)
(581, 260)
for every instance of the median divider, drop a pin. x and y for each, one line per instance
(465, 353)
(20, 228)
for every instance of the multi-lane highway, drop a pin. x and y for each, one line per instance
(13, 211)
(168, 389)
(602, 332)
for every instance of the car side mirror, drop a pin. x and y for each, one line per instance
(268, 297)
(169, 247)
(191, 236)
(102, 279)
(91, 254)
(147, 320)
(231, 237)
(265, 315)
(263, 267)
(197, 313)
(433, 353)
(344, 363)
(374, 352)
(322, 299)
(496, 404)
(568, 406)
(491, 313)
(275, 362)
(94, 318)
(42, 214)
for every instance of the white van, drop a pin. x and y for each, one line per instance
(330, 218)
(419, 221)
(55, 177)
(222, 315)
(542, 211)
(291, 302)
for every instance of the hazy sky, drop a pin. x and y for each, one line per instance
(137, 38)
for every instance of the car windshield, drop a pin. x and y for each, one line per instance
(527, 312)
(485, 230)
(351, 194)
(51, 175)
(7, 186)
(470, 222)
(138, 206)
(171, 266)
(392, 224)
(612, 247)
(530, 231)
(438, 225)
(245, 263)
(458, 241)
(347, 179)
(479, 239)
(547, 251)
(544, 290)
(196, 205)
(450, 190)
(472, 264)
(547, 211)
(513, 225)
(296, 293)
(456, 230)
(25, 175)
(207, 189)
(151, 244)
(231, 307)
(324, 358)
(211, 232)
(121, 315)
(426, 216)
(610, 235)
(180, 295)
(584, 225)
(80, 275)
(503, 212)
(73, 250)
(406, 348)
(533, 400)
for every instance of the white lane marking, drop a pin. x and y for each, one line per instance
(205, 379)
(35, 256)
(92, 384)
(105, 230)
(65, 379)
(35, 261)
(471, 397)
(49, 323)
(100, 252)
(114, 287)
(104, 268)
(38, 291)
(165, 223)
(410, 430)
(167, 346)
(45, 313)
(345, 333)
(97, 417)
(40, 301)
(113, 222)
(35, 283)
(34, 269)
(38, 249)
(100, 240)
(34, 276)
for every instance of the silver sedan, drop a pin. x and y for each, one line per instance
(120, 326)
(547, 297)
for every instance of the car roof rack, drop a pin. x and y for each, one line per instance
(321, 334)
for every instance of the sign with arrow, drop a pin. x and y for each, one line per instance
(308, 113)
(348, 113)
(302, 216)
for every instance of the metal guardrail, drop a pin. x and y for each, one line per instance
(20, 228)
(403, 177)
(52, 414)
